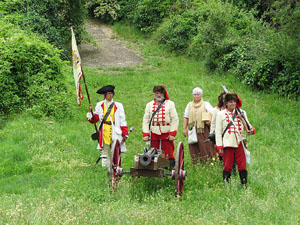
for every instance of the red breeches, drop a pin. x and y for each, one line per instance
(228, 157)
(166, 145)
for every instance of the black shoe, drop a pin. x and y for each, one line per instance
(226, 176)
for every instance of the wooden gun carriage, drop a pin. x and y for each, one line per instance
(152, 163)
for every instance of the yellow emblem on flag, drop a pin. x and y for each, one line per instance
(77, 71)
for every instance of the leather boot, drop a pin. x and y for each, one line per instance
(226, 176)
(243, 176)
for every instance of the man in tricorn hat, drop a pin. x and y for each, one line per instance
(114, 127)
(162, 129)
(231, 127)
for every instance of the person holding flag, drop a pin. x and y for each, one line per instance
(113, 124)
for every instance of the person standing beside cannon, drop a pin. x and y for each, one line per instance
(231, 125)
(113, 124)
(197, 116)
(220, 106)
(160, 123)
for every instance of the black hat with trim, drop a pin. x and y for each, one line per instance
(105, 89)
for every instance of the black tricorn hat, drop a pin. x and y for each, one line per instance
(105, 89)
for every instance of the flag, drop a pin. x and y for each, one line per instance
(77, 70)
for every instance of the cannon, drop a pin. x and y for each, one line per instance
(151, 163)
(147, 157)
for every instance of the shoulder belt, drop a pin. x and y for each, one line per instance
(230, 123)
(106, 115)
(157, 109)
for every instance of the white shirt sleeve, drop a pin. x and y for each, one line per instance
(186, 111)
(213, 120)
(208, 107)
(174, 121)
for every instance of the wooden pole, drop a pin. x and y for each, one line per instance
(87, 93)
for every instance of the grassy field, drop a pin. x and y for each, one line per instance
(46, 166)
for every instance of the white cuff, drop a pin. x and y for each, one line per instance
(89, 116)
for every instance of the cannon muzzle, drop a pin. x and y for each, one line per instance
(146, 158)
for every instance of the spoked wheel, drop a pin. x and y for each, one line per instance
(179, 174)
(115, 169)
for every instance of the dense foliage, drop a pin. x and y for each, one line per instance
(31, 66)
(176, 33)
(269, 59)
(50, 19)
(106, 10)
(30, 74)
(147, 15)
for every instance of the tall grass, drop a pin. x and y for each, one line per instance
(47, 174)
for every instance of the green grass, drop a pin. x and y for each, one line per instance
(47, 174)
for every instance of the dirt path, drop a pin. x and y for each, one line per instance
(112, 53)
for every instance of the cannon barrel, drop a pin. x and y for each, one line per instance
(146, 158)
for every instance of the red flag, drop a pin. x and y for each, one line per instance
(77, 71)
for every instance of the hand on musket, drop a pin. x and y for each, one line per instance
(246, 124)
(251, 131)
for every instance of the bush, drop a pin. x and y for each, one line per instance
(30, 73)
(127, 9)
(236, 59)
(176, 33)
(221, 29)
(50, 19)
(285, 16)
(276, 68)
(149, 14)
(106, 10)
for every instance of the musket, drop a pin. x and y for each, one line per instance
(241, 115)
(123, 140)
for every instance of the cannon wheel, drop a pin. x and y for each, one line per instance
(180, 173)
(115, 169)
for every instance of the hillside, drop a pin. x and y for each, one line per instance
(47, 173)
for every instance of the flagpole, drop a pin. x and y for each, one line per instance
(87, 93)
(77, 76)
(79, 73)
